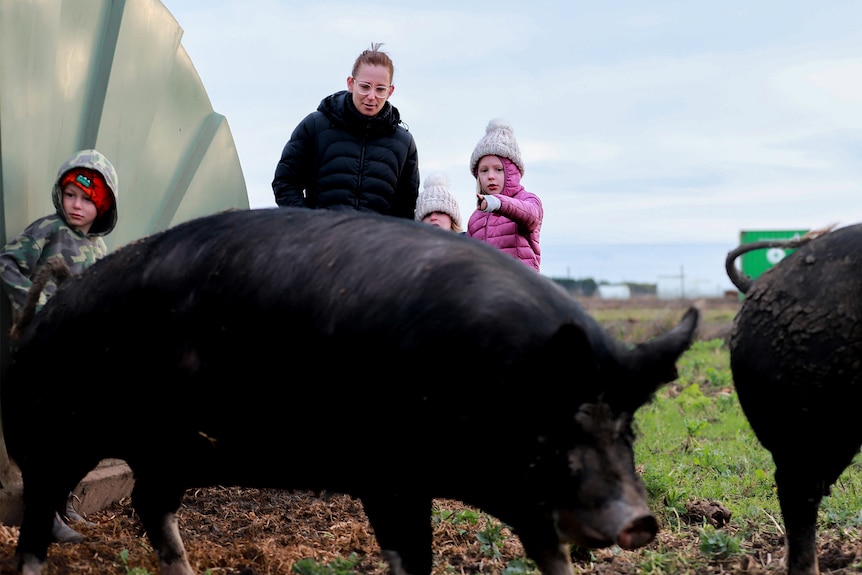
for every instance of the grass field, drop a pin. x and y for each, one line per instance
(709, 479)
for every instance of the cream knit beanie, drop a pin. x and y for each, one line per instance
(499, 141)
(436, 197)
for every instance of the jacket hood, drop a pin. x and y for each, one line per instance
(94, 160)
(512, 185)
(339, 108)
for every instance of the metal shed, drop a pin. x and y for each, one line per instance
(111, 75)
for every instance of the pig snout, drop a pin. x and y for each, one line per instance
(629, 528)
(639, 532)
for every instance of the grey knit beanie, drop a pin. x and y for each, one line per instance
(436, 197)
(499, 141)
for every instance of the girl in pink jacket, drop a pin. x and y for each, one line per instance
(507, 216)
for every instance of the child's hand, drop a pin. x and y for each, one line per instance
(487, 202)
(481, 203)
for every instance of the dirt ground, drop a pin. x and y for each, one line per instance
(238, 531)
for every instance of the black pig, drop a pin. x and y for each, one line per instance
(795, 353)
(292, 349)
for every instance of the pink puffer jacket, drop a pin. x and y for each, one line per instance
(515, 226)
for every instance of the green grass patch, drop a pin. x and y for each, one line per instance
(695, 444)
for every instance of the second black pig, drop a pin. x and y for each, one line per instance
(796, 358)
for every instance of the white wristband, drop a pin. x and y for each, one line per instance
(493, 203)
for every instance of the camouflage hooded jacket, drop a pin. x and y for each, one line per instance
(52, 236)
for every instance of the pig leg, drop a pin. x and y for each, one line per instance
(157, 508)
(35, 536)
(402, 527)
(172, 553)
(800, 493)
(543, 546)
(799, 501)
(46, 486)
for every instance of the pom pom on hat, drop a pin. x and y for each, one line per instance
(436, 197)
(93, 184)
(499, 140)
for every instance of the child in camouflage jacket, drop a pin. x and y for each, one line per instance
(85, 199)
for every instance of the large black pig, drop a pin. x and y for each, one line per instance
(796, 357)
(300, 349)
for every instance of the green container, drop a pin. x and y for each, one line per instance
(754, 263)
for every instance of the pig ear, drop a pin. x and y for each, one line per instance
(653, 363)
(660, 354)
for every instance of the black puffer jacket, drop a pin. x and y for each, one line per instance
(337, 158)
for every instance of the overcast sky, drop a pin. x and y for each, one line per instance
(666, 122)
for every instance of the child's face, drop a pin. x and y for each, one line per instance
(491, 174)
(80, 209)
(439, 219)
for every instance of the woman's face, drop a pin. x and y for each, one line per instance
(440, 219)
(371, 87)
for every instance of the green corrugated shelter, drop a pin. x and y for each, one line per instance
(111, 75)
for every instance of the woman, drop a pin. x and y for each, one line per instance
(353, 152)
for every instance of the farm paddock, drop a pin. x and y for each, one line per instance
(239, 531)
